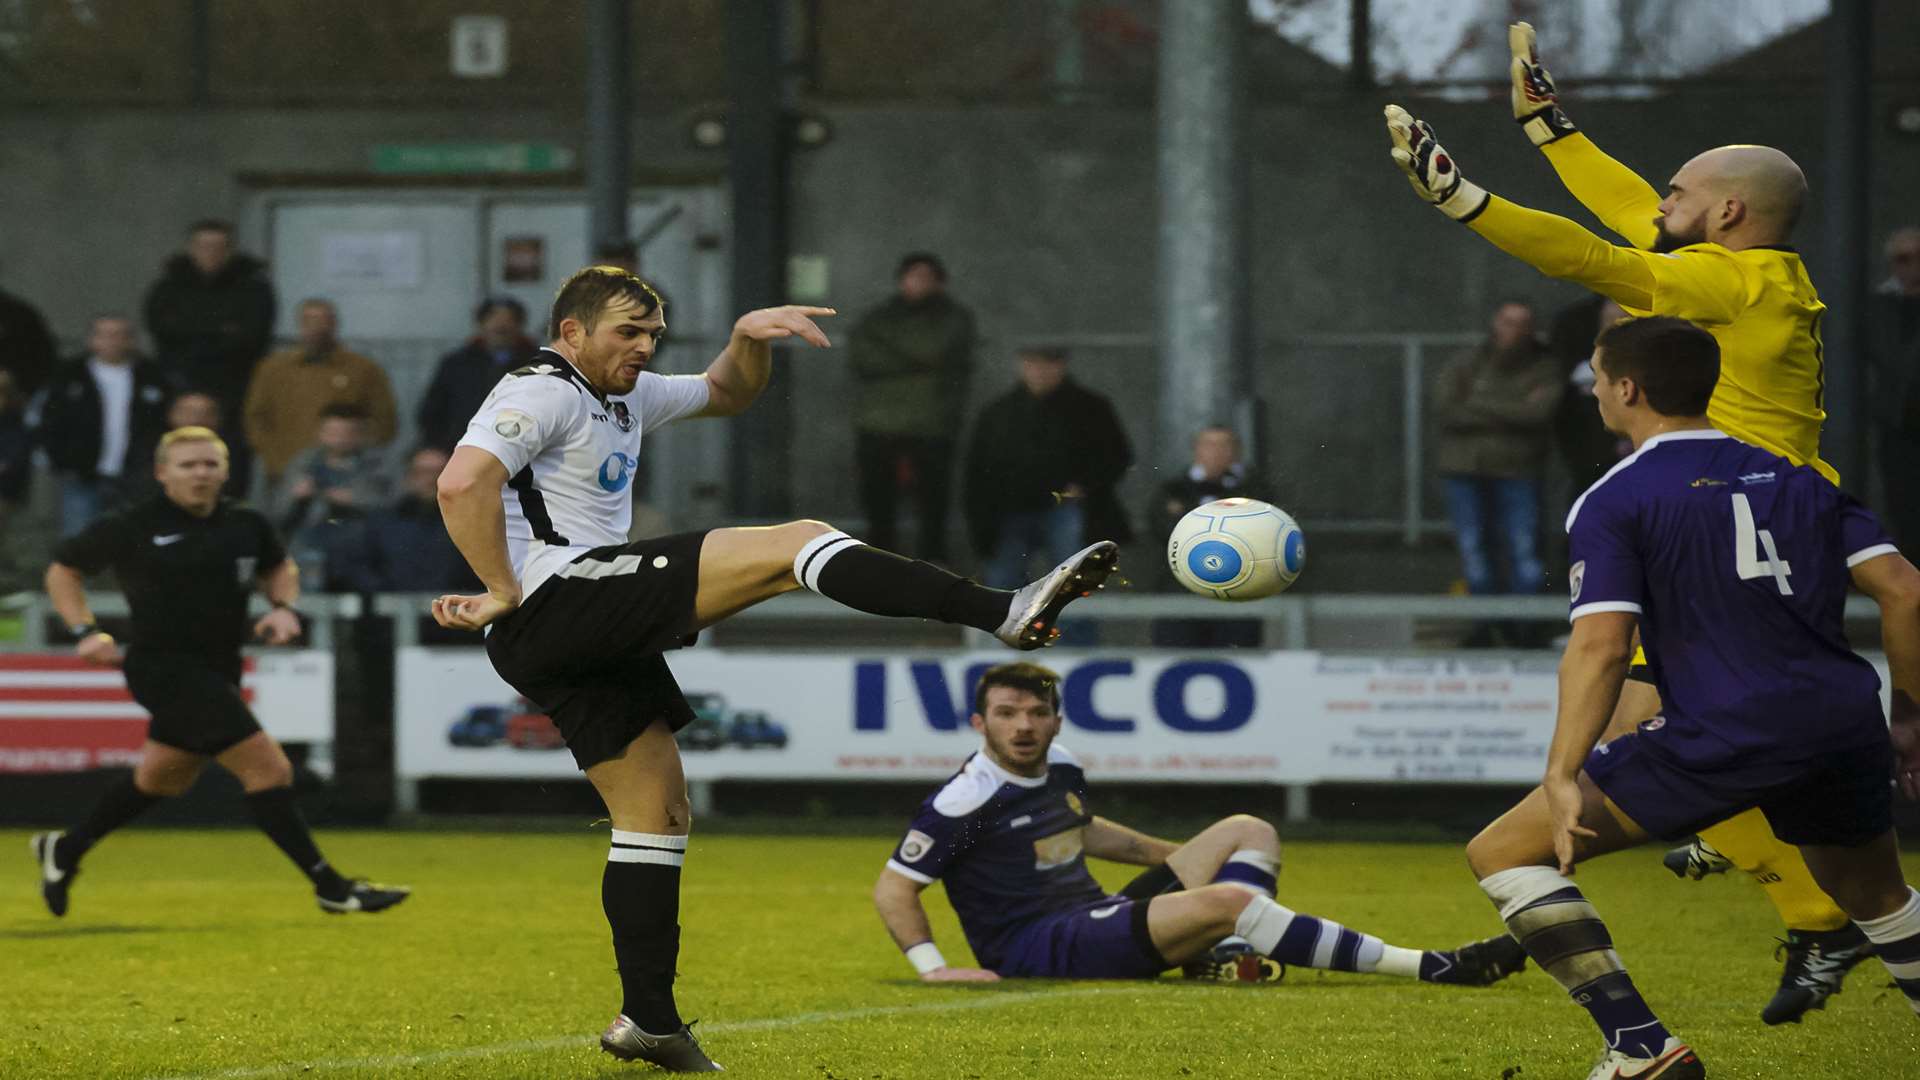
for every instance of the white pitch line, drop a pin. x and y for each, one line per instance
(990, 1001)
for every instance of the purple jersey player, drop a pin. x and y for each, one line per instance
(1010, 834)
(1734, 565)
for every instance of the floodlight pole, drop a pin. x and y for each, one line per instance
(1202, 326)
(609, 149)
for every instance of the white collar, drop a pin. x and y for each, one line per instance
(1676, 436)
(994, 770)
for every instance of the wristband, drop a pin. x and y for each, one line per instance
(926, 957)
(83, 631)
(281, 605)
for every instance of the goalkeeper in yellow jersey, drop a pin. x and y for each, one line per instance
(1714, 250)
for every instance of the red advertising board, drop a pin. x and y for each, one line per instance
(60, 714)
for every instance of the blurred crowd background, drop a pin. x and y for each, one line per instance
(327, 230)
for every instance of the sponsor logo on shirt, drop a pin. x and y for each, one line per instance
(1576, 577)
(1057, 850)
(915, 846)
(616, 471)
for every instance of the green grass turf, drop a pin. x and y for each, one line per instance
(199, 953)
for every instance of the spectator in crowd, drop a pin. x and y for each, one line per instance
(1585, 444)
(1493, 408)
(210, 316)
(1216, 472)
(100, 420)
(911, 358)
(26, 345)
(1041, 469)
(194, 409)
(402, 547)
(1893, 351)
(294, 388)
(467, 374)
(328, 485)
(211, 313)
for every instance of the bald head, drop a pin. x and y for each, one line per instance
(1737, 196)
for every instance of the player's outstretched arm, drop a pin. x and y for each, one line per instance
(67, 588)
(1592, 671)
(1114, 842)
(1894, 584)
(1616, 194)
(470, 506)
(740, 372)
(897, 898)
(1550, 244)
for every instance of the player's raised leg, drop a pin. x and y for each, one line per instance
(741, 567)
(163, 772)
(266, 776)
(645, 790)
(1515, 861)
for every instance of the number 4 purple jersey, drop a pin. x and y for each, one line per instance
(1737, 563)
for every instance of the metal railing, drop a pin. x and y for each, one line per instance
(1288, 621)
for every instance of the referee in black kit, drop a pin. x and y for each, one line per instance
(188, 560)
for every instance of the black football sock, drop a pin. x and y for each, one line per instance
(1151, 883)
(877, 582)
(640, 892)
(118, 805)
(274, 812)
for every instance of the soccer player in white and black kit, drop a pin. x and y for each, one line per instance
(538, 497)
(188, 560)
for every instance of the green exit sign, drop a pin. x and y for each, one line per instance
(471, 157)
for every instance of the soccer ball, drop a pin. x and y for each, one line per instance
(1236, 549)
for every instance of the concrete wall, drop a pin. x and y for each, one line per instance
(1044, 215)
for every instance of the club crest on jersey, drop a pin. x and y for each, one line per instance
(512, 425)
(616, 471)
(622, 416)
(1576, 577)
(1074, 804)
(915, 846)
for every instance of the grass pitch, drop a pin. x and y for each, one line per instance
(200, 954)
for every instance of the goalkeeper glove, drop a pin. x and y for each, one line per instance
(1430, 169)
(1536, 101)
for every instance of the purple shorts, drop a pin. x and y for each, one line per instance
(1841, 796)
(1106, 939)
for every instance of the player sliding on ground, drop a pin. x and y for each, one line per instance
(1716, 252)
(538, 497)
(1010, 835)
(1734, 565)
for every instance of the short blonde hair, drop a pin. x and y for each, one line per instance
(194, 434)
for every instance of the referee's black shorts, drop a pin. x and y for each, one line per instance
(194, 699)
(585, 647)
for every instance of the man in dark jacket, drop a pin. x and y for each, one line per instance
(467, 375)
(402, 547)
(1041, 470)
(1216, 472)
(26, 346)
(911, 359)
(103, 414)
(211, 318)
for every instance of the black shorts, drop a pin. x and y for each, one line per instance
(585, 647)
(195, 700)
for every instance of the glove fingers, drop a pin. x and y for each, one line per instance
(1520, 41)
